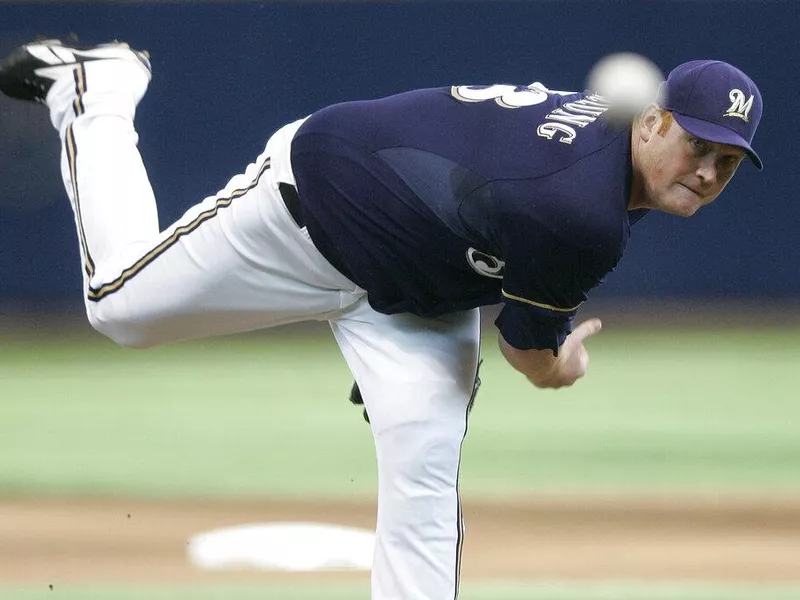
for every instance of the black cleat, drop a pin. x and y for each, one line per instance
(356, 398)
(29, 71)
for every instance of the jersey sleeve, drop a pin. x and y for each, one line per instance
(528, 328)
(552, 260)
(546, 280)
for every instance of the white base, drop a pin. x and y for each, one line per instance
(283, 547)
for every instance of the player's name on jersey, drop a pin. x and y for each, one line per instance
(564, 120)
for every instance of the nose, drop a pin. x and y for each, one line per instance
(707, 170)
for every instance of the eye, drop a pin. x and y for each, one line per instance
(699, 146)
(730, 161)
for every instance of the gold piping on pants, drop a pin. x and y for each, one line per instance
(96, 294)
(72, 155)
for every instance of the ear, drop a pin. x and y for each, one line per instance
(648, 122)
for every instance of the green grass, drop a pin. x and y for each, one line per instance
(488, 591)
(230, 417)
(667, 410)
(268, 415)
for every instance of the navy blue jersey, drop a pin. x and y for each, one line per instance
(444, 199)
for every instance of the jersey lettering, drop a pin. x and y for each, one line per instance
(507, 96)
(548, 130)
(561, 122)
(580, 113)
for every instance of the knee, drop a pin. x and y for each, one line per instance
(123, 328)
(420, 458)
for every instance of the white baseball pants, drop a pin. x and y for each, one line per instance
(236, 262)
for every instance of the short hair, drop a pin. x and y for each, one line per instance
(666, 122)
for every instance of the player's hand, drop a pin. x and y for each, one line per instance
(547, 371)
(573, 358)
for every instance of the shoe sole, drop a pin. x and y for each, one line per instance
(44, 54)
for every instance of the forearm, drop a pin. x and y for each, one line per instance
(538, 366)
(546, 370)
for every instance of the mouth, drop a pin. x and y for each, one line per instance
(695, 192)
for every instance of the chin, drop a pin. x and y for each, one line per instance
(685, 211)
(677, 209)
(681, 205)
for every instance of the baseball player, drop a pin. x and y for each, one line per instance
(394, 220)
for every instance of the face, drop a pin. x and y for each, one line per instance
(677, 172)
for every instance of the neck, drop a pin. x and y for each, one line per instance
(638, 198)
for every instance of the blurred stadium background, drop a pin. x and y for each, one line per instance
(671, 472)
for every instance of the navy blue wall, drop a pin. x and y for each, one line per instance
(227, 74)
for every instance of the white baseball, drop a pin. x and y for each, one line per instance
(629, 82)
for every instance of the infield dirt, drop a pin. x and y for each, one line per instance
(114, 541)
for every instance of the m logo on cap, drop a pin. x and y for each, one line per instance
(739, 107)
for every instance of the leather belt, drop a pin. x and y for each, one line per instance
(292, 201)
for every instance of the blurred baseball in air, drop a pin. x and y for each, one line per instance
(628, 81)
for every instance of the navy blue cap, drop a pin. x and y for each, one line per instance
(715, 101)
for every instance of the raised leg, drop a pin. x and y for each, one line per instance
(234, 262)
